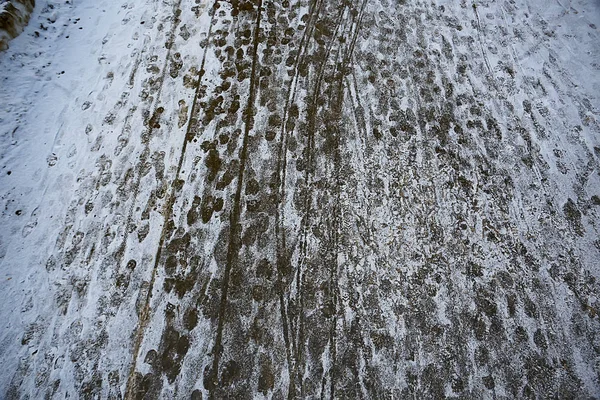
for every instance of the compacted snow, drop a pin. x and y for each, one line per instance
(301, 199)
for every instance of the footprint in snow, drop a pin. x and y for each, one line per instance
(33, 221)
(52, 160)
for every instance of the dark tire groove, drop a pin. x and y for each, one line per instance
(234, 219)
(131, 387)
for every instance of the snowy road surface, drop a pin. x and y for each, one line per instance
(380, 199)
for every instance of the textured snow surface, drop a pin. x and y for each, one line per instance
(301, 199)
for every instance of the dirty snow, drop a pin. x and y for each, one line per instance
(262, 199)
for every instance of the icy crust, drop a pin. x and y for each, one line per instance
(14, 15)
(301, 199)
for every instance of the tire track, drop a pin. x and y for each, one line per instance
(234, 220)
(333, 288)
(131, 387)
(312, 111)
(280, 237)
(335, 127)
